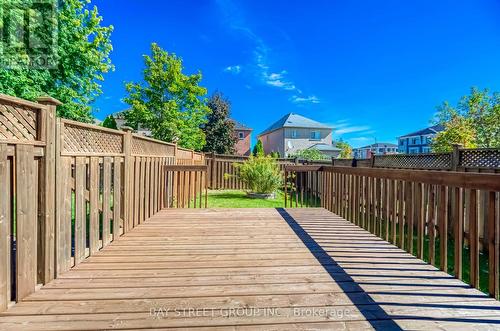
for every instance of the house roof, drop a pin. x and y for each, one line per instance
(376, 145)
(324, 147)
(430, 130)
(240, 126)
(292, 120)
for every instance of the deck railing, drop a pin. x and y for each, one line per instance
(69, 189)
(434, 215)
(187, 186)
(222, 174)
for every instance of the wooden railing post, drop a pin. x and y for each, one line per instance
(455, 157)
(47, 189)
(128, 176)
(212, 171)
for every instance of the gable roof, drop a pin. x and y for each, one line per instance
(430, 130)
(240, 126)
(376, 145)
(292, 120)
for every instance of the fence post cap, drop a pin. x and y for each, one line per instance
(127, 129)
(48, 100)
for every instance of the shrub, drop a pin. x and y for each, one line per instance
(261, 174)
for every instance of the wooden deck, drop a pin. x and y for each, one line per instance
(253, 269)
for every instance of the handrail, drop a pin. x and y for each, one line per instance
(469, 180)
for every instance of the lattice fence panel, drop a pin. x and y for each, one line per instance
(18, 122)
(414, 161)
(141, 146)
(89, 140)
(480, 158)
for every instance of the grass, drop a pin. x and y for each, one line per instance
(239, 199)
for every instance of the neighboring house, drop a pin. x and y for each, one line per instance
(293, 133)
(121, 122)
(419, 141)
(243, 135)
(366, 152)
(327, 149)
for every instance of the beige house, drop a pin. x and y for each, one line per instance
(293, 133)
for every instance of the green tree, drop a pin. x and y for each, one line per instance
(219, 130)
(458, 130)
(474, 122)
(345, 149)
(109, 122)
(168, 102)
(83, 46)
(310, 154)
(258, 149)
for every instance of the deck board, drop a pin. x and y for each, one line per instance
(293, 269)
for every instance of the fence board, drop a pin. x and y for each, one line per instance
(5, 229)
(26, 223)
(106, 200)
(80, 209)
(94, 206)
(116, 196)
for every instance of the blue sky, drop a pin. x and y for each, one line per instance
(372, 69)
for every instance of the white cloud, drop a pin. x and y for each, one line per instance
(235, 19)
(301, 99)
(352, 129)
(233, 69)
(278, 80)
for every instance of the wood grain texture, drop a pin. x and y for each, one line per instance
(288, 263)
(26, 223)
(5, 228)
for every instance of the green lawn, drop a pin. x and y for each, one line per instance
(239, 199)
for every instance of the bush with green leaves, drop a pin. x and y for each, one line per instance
(261, 174)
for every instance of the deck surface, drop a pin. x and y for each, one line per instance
(253, 269)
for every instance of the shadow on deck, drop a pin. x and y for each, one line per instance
(253, 269)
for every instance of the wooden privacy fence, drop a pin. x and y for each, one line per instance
(410, 209)
(302, 185)
(188, 157)
(467, 160)
(187, 186)
(219, 165)
(69, 189)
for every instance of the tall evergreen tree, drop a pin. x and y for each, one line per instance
(109, 122)
(258, 149)
(219, 130)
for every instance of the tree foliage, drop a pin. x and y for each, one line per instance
(474, 122)
(345, 149)
(109, 122)
(258, 149)
(82, 58)
(168, 102)
(458, 130)
(310, 154)
(219, 130)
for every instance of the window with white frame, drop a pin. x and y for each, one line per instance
(241, 135)
(294, 134)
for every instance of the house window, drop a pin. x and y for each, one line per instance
(241, 135)
(294, 134)
(315, 135)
